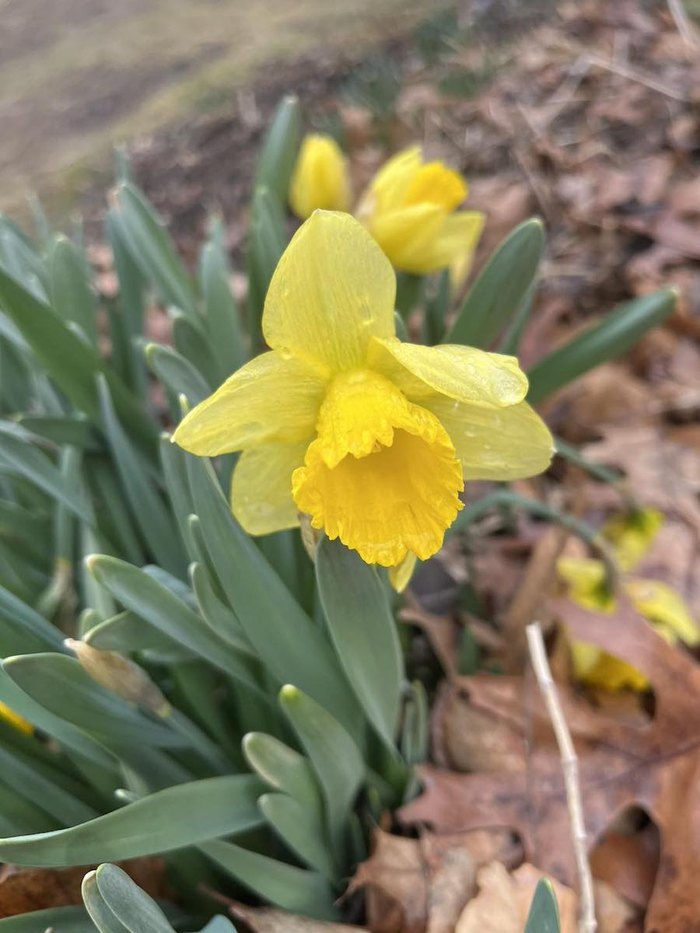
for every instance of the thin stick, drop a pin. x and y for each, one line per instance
(569, 764)
(683, 24)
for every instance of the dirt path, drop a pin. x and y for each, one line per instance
(79, 76)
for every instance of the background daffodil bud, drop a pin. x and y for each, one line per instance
(320, 179)
(10, 716)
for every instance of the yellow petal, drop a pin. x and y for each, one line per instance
(662, 606)
(390, 184)
(632, 535)
(587, 581)
(455, 244)
(495, 443)
(400, 575)
(599, 669)
(407, 235)
(395, 500)
(13, 719)
(333, 289)
(461, 373)
(261, 487)
(271, 398)
(435, 183)
(320, 178)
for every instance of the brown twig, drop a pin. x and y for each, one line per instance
(569, 764)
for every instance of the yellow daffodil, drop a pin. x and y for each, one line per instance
(10, 716)
(370, 437)
(631, 537)
(320, 179)
(410, 208)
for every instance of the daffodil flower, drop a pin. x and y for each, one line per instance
(320, 180)
(631, 537)
(410, 207)
(13, 719)
(370, 437)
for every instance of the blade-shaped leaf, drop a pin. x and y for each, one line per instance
(544, 912)
(501, 287)
(56, 919)
(279, 150)
(363, 632)
(131, 906)
(184, 815)
(71, 294)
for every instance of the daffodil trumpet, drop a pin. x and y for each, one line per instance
(411, 207)
(371, 438)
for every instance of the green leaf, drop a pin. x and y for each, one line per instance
(363, 633)
(300, 829)
(219, 925)
(614, 335)
(23, 630)
(279, 151)
(544, 912)
(282, 768)
(218, 617)
(266, 243)
(194, 345)
(148, 598)
(70, 361)
(291, 888)
(152, 249)
(71, 430)
(45, 720)
(101, 915)
(501, 287)
(155, 522)
(333, 754)
(21, 457)
(176, 373)
(129, 905)
(290, 646)
(56, 919)
(127, 633)
(184, 815)
(71, 294)
(59, 682)
(223, 320)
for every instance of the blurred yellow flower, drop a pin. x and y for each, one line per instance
(9, 716)
(370, 437)
(631, 537)
(320, 179)
(410, 207)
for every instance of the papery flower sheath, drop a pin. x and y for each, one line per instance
(631, 537)
(320, 179)
(370, 437)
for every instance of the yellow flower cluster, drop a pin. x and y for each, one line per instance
(410, 207)
(631, 537)
(370, 437)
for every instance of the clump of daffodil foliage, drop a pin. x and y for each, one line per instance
(198, 541)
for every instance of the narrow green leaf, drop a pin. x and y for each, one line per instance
(291, 888)
(58, 728)
(128, 903)
(71, 362)
(176, 373)
(284, 638)
(150, 513)
(363, 632)
(26, 460)
(59, 682)
(283, 768)
(544, 911)
(333, 755)
(152, 249)
(300, 829)
(218, 617)
(56, 919)
(266, 243)
(223, 319)
(23, 630)
(184, 815)
(127, 633)
(73, 430)
(219, 925)
(71, 294)
(279, 151)
(501, 287)
(194, 345)
(101, 915)
(614, 335)
(149, 599)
